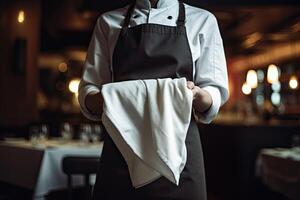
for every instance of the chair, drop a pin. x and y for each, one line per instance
(80, 165)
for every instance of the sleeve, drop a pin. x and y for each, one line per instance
(211, 69)
(96, 68)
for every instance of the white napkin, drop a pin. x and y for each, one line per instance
(148, 121)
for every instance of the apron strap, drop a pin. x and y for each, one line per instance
(181, 16)
(128, 17)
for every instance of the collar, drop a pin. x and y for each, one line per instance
(145, 4)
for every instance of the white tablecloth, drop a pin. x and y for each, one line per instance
(279, 169)
(39, 167)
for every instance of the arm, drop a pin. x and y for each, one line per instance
(210, 80)
(96, 72)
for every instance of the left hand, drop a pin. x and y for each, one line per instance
(201, 98)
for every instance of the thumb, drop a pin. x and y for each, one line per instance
(190, 84)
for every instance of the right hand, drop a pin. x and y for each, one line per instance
(94, 103)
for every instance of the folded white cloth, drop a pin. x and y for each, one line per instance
(148, 121)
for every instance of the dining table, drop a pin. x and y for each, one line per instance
(37, 166)
(279, 169)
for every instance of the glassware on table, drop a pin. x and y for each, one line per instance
(34, 135)
(66, 132)
(85, 133)
(43, 133)
(96, 134)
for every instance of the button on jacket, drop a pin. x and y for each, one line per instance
(206, 45)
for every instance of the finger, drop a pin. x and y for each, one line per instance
(190, 85)
(194, 93)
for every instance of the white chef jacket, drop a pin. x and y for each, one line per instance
(209, 64)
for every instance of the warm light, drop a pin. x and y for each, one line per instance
(87, 15)
(62, 67)
(246, 89)
(296, 27)
(251, 78)
(73, 85)
(21, 16)
(272, 74)
(252, 39)
(230, 88)
(293, 83)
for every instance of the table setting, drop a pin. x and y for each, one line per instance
(279, 169)
(35, 163)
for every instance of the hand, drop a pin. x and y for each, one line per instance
(201, 98)
(94, 103)
(195, 89)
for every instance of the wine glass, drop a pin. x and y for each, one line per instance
(96, 134)
(43, 133)
(66, 132)
(33, 135)
(85, 133)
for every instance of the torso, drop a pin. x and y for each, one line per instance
(112, 22)
(175, 61)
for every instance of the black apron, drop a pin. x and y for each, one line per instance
(151, 51)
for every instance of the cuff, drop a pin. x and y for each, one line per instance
(82, 93)
(209, 115)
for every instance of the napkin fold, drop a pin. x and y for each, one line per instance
(148, 121)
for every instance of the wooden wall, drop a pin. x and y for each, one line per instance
(18, 91)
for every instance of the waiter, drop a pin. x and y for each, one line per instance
(152, 39)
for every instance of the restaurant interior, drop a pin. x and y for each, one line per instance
(251, 150)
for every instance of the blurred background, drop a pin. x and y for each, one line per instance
(251, 149)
